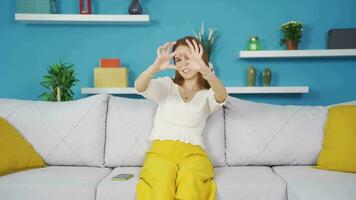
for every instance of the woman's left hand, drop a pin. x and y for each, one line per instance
(196, 61)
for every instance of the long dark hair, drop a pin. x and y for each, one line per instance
(178, 79)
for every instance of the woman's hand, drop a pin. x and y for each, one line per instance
(164, 57)
(195, 61)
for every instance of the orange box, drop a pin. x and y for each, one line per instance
(110, 62)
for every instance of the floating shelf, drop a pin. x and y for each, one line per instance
(128, 90)
(230, 90)
(299, 53)
(266, 90)
(81, 19)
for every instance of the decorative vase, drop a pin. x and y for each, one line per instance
(135, 8)
(251, 76)
(291, 45)
(253, 44)
(85, 6)
(266, 76)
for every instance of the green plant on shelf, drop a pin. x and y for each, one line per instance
(292, 32)
(59, 82)
(207, 39)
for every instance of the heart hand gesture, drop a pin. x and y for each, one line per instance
(164, 57)
(196, 61)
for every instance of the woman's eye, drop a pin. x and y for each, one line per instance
(178, 60)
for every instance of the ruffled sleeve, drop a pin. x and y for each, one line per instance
(157, 89)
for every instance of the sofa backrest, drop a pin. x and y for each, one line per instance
(77, 132)
(267, 134)
(129, 124)
(64, 133)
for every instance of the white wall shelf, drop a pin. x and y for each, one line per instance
(128, 90)
(299, 53)
(267, 90)
(230, 90)
(81, 19)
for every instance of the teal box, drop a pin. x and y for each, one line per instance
(36, 6)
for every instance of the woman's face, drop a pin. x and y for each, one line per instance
(182, 60)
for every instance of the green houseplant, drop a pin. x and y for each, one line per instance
(292, 31)
(207, 39)
(59, 81)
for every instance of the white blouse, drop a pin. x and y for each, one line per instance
(176, 119)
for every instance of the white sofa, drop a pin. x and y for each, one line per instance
(260, 151)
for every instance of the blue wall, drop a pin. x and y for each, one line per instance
(27, 50)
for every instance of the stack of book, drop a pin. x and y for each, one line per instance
(110, 74)
(36, 6)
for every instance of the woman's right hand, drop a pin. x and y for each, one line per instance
(164, 57)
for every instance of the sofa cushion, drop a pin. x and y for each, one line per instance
(307, 183)
(53, 183)
(63, 133)
(235, 183)
(108, 189)
(266, 134)
(16, 153)
(129, 125)
(249, 183)
(339, 144)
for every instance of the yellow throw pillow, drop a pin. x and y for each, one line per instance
(15, 152)
(339, 147)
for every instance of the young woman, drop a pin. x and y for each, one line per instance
(177, 165)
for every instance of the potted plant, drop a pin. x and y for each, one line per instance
(292, 31)
(59, 81)
(207, 39)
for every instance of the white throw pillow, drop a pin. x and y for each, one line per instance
(129, 125)
(267, 134)
(64, 133)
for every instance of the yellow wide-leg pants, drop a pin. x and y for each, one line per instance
(175, 170)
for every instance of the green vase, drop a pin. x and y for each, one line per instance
(253, 44)
(266, 75)
(251, 76)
